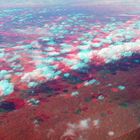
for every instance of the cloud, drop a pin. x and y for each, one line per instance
(26, 3)
(16, 3)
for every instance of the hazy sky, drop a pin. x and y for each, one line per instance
(65, 2)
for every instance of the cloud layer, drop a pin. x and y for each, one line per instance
(15, 3)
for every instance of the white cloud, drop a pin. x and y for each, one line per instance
(8, 3)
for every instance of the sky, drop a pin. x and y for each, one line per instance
(16, 3)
